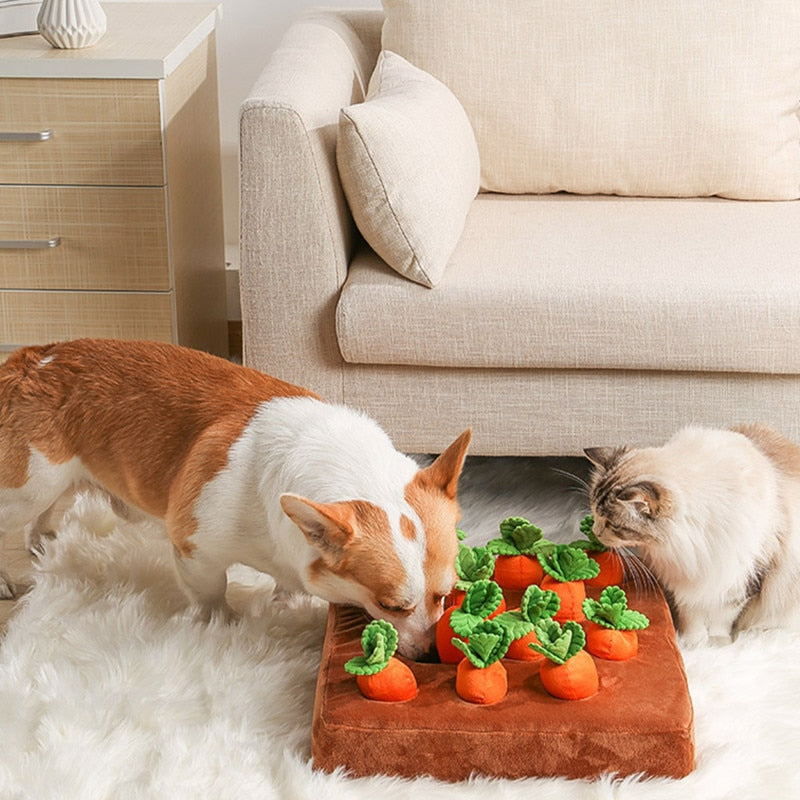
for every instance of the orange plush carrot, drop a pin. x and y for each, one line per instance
(483, 599)
(394, 683)
(481, 677)
(472, 564)
(569, 673)
(481, 685)
(570, 593)
(566, 569)
(517, 572)
(536, 604)
(517, 567)
(448, 654)
(575, 679)
(612, 567)
(379, 675)
(611, 644)
(611, 633)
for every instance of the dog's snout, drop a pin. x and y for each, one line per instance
(430, 656)
(416, 645)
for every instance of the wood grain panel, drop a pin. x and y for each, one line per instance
(141, 243)
(196, 230)
(111, 238)
(42, 317)
(104, 132)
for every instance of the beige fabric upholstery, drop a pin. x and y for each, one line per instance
(298, 242)
(560, 412)
(409, 166)
(652, 98)
(296, 230)
(564, 282)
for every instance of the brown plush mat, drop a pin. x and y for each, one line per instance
(641, 720)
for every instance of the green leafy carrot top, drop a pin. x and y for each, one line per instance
(518, 537)
(378, 641)
(488, 642)
(566, 563)
(591, 542)
(558, 643)
(536, 604)
(482, 599)
(611, 611)
(473, 564)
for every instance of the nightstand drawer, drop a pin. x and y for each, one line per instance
(110, 191)
(42, 317)
(83, 238)
(80, 131)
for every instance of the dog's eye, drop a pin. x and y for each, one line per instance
(438, 599)
(395, 609)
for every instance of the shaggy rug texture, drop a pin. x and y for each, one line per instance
(109, 687)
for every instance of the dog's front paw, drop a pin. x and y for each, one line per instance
(37, 547)
(35, 541)
(6, 587)
(228, 614)
(205, 613)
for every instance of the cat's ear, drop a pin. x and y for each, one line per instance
(604, 457)
(646, 499)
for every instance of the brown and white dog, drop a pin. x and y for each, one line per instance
(242, 467)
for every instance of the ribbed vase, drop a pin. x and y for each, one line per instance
(71, 24)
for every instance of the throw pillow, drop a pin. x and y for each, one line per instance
(409, 166)
(630, 97)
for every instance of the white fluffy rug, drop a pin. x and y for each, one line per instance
(110, 689)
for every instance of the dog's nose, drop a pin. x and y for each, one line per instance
(429, 657)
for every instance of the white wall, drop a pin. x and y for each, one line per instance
(248, 32)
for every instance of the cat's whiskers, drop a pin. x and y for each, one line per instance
(581, 484)
(636, 572)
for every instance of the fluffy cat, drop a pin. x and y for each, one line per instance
(715, 515)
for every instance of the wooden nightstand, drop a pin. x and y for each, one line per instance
(110, 183)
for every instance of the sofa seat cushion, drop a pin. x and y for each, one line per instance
(565, 281)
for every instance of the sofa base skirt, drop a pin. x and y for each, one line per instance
(555, 412)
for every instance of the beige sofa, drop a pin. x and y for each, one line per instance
(562, 319)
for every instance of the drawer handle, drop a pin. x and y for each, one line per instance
(30, 244)
(25, 136)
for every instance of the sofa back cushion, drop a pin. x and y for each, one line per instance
(630, 97)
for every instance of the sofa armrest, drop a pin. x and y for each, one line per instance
(296, 232)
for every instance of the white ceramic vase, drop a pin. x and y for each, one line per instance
(71, 24)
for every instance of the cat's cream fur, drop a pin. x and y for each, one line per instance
(715, 515)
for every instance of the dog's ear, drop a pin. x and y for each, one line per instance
(329, 527)
(446, 470)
